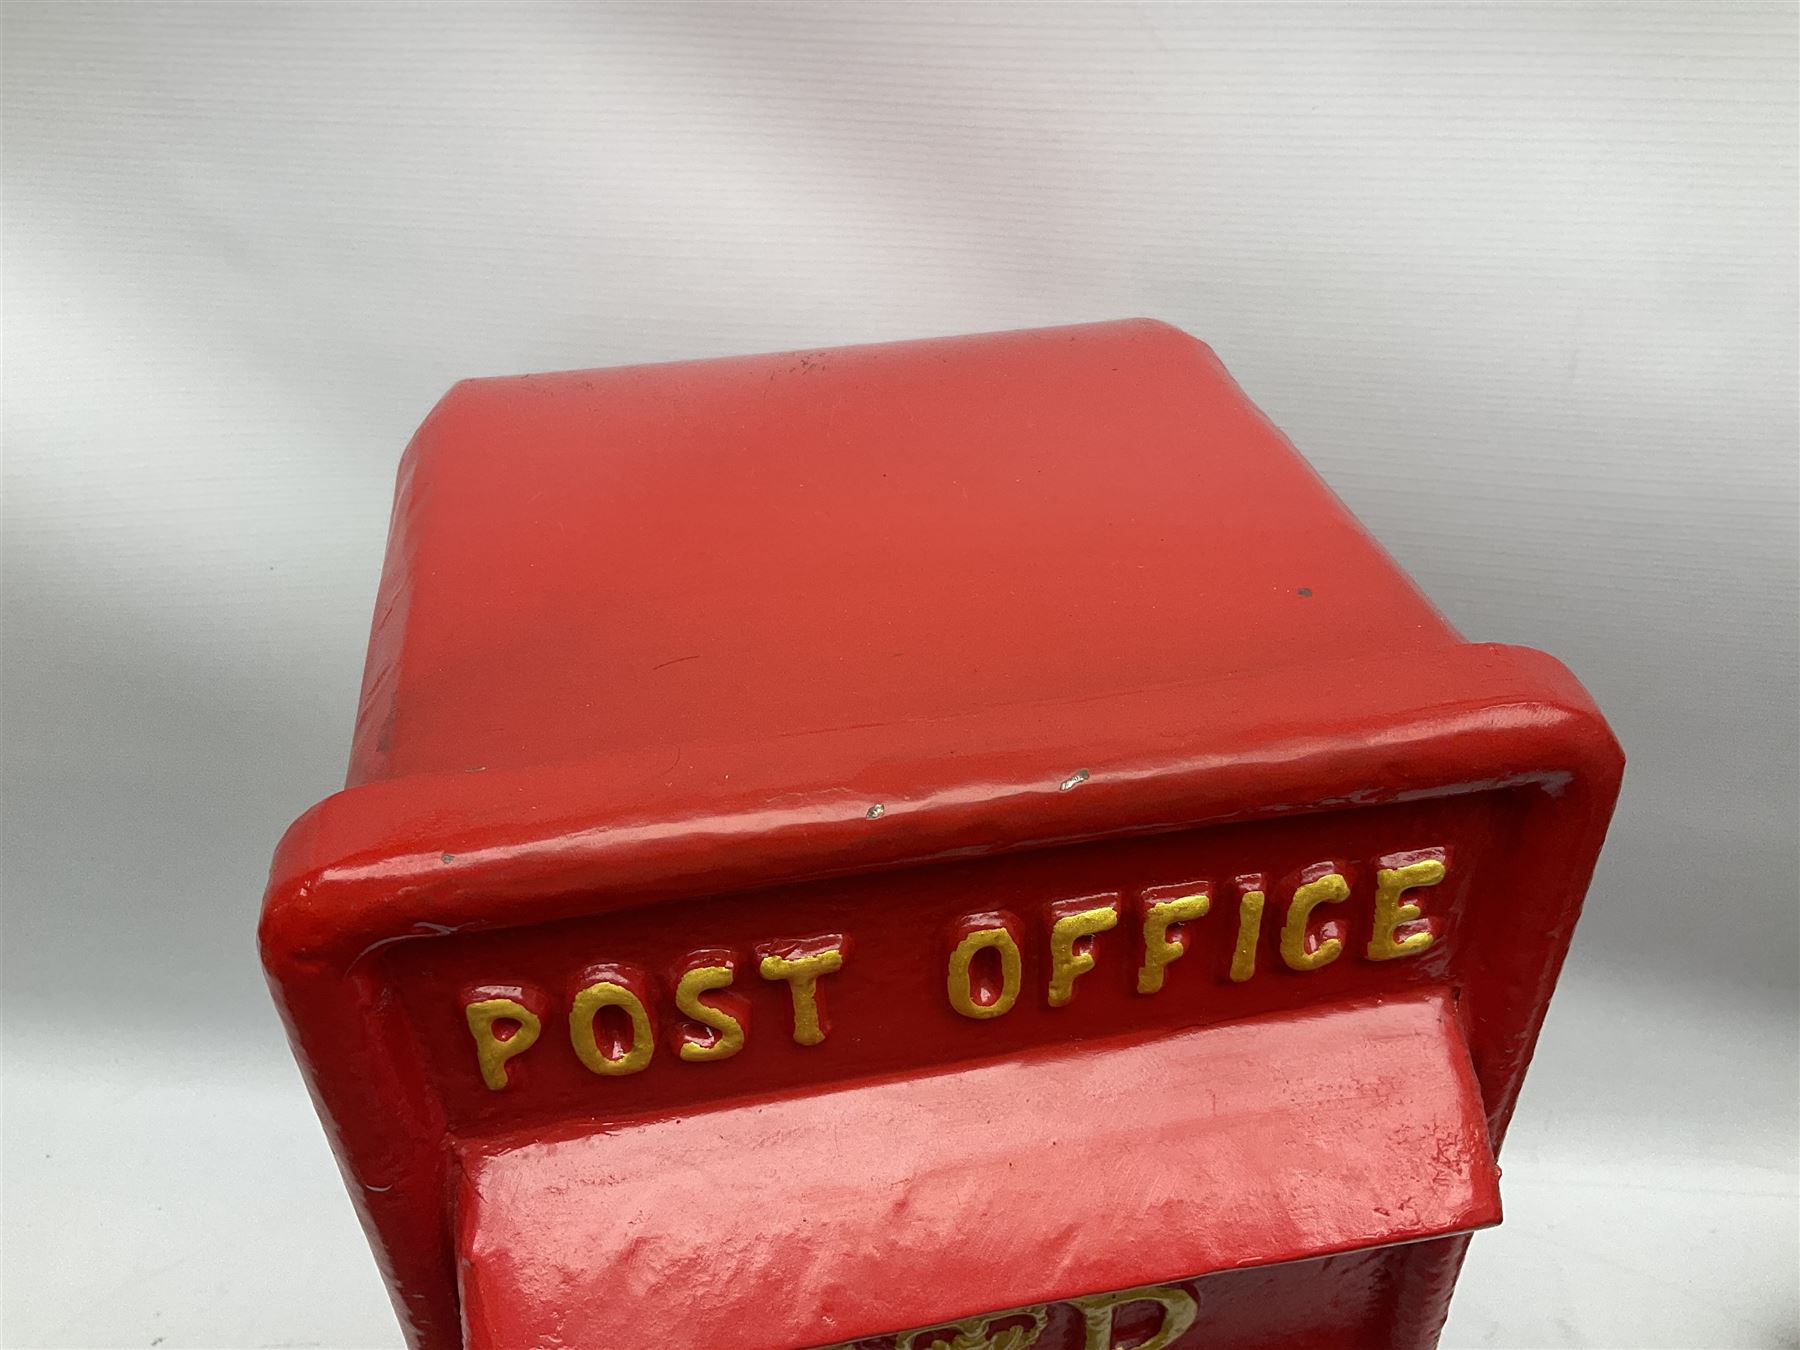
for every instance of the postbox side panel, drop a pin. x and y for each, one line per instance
(664, 1007)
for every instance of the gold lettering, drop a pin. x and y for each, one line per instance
(1250, 912)
(1178, 1312)
(962, 996)
(1329, 889)
(979, 1333)
(1159, 948)
(802, 971)
(728, 1032)
(491, 1051)
(1066, 964)
(587, 1006)
(1392, 883)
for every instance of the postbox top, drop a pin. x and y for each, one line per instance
(759, 548)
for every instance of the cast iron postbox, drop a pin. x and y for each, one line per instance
(959, 844)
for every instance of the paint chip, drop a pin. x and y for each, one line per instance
(1074, 780)
(875, 812)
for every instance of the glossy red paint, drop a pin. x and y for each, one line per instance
(1045, 1175)
(675, 666)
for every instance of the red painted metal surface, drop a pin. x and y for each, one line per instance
(870, 652)
(1045, 1175)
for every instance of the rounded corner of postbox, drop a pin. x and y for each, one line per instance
(1166, 328)
(1582, 740)
(288, 920)
(457, 404)
(1170, 334)
(456, 396)
(304, 914)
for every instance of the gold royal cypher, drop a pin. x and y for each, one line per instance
(1006, 1331)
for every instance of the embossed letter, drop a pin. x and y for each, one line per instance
(725, 1019)
(1178, 1311)
(1075, 921)
(1250, 912)
(1399, 874)
(612, 987)
(1160, 948)
(491, 1050)
(801, 963)
(1329, 889)
(977, 933)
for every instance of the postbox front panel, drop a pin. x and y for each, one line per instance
(669, 1006)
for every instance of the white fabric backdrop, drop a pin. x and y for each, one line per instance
(1520, 279)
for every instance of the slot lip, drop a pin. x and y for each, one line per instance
(1378, 1103)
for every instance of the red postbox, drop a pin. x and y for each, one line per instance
(959, 844)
